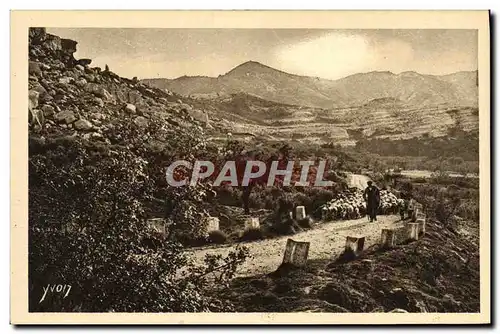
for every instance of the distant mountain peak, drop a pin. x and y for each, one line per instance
(250, 65)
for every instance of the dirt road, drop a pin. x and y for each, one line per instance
(327, 241)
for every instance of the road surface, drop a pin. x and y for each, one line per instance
(327, 242)
(428, 174)
(359, 181)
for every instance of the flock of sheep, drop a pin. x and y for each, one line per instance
(351, 205)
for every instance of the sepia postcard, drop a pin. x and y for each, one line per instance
(250, 167)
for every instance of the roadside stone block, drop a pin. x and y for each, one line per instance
(212, 224)
(158, 226)
(388, 238)
(300, 212)
(414, 214)
(421, 225)
(296, 253)
(400, 234)
(251, 223)
(413, 229)
(355, 244)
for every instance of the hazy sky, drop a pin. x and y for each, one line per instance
(331, 54)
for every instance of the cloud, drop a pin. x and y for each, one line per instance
(330, 56)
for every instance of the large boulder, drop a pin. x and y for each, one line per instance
(98, 91)
(68, 45)
(84, 62)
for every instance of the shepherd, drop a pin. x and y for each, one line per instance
(372, 199)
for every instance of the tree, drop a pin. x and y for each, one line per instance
(88, 229)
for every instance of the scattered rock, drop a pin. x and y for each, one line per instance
(66, 116)
(130, 108)
(81, 82)
(36, 117)
(80, 68)
(66, 80)
(141, 121)
(186, 107)
(89, 77)
(99, 102)
(33, 99)
(98, 91)
(53, 43)
(36, 35)
(40, 89)
(34, 68)
(83, 124)
(48, 110)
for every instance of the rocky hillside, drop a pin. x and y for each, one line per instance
(458, 89)
(68, 97)
(249, 117)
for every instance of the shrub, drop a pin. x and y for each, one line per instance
(88, 228)
(217, 237)
(284, 226)
(305, 223)
(252, 234)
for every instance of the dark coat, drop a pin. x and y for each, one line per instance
(372, 196)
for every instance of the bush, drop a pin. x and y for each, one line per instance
(284, 225)
(305, 223)
(252, 234)
(88, 228)
(217, 237)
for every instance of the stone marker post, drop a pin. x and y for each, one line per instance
(413, 231)
(300, 212)
(213, 224)
(421, 225)
(251, 223)
(388, 238)
(296, 253)
(354, 244)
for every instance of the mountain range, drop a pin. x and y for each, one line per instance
(254, 78)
